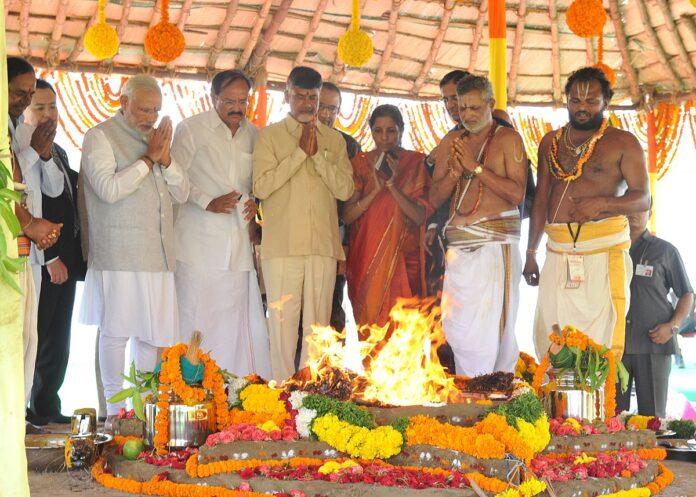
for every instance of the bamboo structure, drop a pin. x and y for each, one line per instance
(80, 45)
(154, 19)
(24, 48)
(685, 58)
(53, 50)
(555, 54)
(389, 48)
(255, 32)
(664, 58)
(259, 53)
(313, 25)
(222, 34)
(626, 63)
(478, 34)
(181, 23)
(517, 49)
(435, 47)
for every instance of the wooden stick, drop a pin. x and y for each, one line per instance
(80, 44)
(626, 65)
(154, 19)
(389, 47)
(53, 50)
(478, 34)
(311, 31)
(435, 47)
(222, 34)
(686, 61)
(261, 50)
(555, 55)
(181, 23)
(191, 353)
(664, 58)
(24, 49)
(255, 31)
(517, 50)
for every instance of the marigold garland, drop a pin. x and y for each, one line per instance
(172, 381)
(664, 478)
(557, 170)
(164, 41)
(540, 372)
(261, 398)
(378, 443)
(586, 18)
(101, 40)
(355, 46)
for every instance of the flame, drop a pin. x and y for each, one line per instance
(400, 358)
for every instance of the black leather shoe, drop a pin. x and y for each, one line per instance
(35, 419)
(61, 419)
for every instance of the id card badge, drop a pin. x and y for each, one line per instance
(576, 270)
(644, 270)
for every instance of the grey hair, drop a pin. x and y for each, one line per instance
(472, 83)
(140, 82)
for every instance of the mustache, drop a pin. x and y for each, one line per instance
(235, 113)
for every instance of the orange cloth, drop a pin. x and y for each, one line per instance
(385, 256)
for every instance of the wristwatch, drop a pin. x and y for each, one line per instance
(478, 170)
(675, 330)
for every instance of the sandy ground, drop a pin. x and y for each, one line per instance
(67, 484)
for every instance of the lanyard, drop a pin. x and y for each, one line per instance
(575, 235)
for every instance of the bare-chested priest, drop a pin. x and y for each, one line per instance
(483, 168)
(590, 176)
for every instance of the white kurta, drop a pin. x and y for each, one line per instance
(128, 303)
(217, 286)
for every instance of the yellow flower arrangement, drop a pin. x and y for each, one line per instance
(101, 40)
(527, 488)
(164, 41)
(634, 492)
(379, 443)
(355, 46)
(269, 426)
(468, 440)
(586, 18)
(261, 398)
(334, 467)
(238, 417)
(639, 422)
(584, 459)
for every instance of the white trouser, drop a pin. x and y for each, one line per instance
(294, 284)
(112, 353)
(30, 333)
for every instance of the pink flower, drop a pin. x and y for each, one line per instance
(614, 424)
(244, 487)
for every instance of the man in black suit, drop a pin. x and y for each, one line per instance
(63, 267)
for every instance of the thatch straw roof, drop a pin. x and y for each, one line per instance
(650, 43)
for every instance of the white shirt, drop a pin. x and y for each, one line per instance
(41, 177)
(217, 163)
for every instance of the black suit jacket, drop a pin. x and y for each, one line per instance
(63, 209)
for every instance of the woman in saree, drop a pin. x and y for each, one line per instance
(386, 218)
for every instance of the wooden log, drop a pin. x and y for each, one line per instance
(222, 34)
(478, 34)
(121, 29)
(685, 58)
(261, 50)
(435, 47)
(517, 50)
(255, 31)
(311, 31)
(53, 50)
(154, 19)
(181, 23)
(389, 47)
(555, 55)
(80, 44)
(24, 48)
(662, 55)
(626, 65)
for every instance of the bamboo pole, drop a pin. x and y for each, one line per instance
(686, 61)
(555, 54)
(53, 50)
(389, 48)
(338, 72)
(621, 42)
(435, 47)
(478, 34)
(589, 52)
(657, 45)
(24, 49)
(261, 50)
(8, 6)
(121, 29)
(255, 31)
(311, 31)
(181, 23)
(517, 49)
(222, 34)
(79, 46)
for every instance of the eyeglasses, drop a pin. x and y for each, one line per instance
(332, 109)
(227, 102)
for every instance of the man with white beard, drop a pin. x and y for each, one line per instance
(130, 183)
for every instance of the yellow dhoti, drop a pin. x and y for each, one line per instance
(599, 304)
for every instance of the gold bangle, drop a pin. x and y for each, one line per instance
(389, 183)
(24, 228)
(531, 251)
(360, 206)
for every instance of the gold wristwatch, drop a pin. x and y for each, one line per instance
(478, 170)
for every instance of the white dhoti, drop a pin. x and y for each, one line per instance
(30, 333)
(480, 294)
(226, 306)
(598, 305)
(136, 306)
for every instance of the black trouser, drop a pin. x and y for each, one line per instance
(54, 321)
(338, 315)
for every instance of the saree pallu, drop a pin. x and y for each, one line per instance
(598, 306)
(386, 255)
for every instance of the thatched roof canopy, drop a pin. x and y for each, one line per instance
(650, 43)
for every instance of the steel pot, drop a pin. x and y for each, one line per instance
(189, 425)
(571, 399)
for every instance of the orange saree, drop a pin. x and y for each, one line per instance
(386, 256)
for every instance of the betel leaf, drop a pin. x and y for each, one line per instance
(122, 395)
(138, 406)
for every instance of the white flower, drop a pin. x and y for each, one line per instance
(235, 386)
(303, 421)
(296, 399)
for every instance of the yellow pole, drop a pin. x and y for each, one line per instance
(497, 52)
(13, 461)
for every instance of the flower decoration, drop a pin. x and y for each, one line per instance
(379, 443)
(164, 41)
(586, 18)
(355, 46)
(101, 40)
(608, 72)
